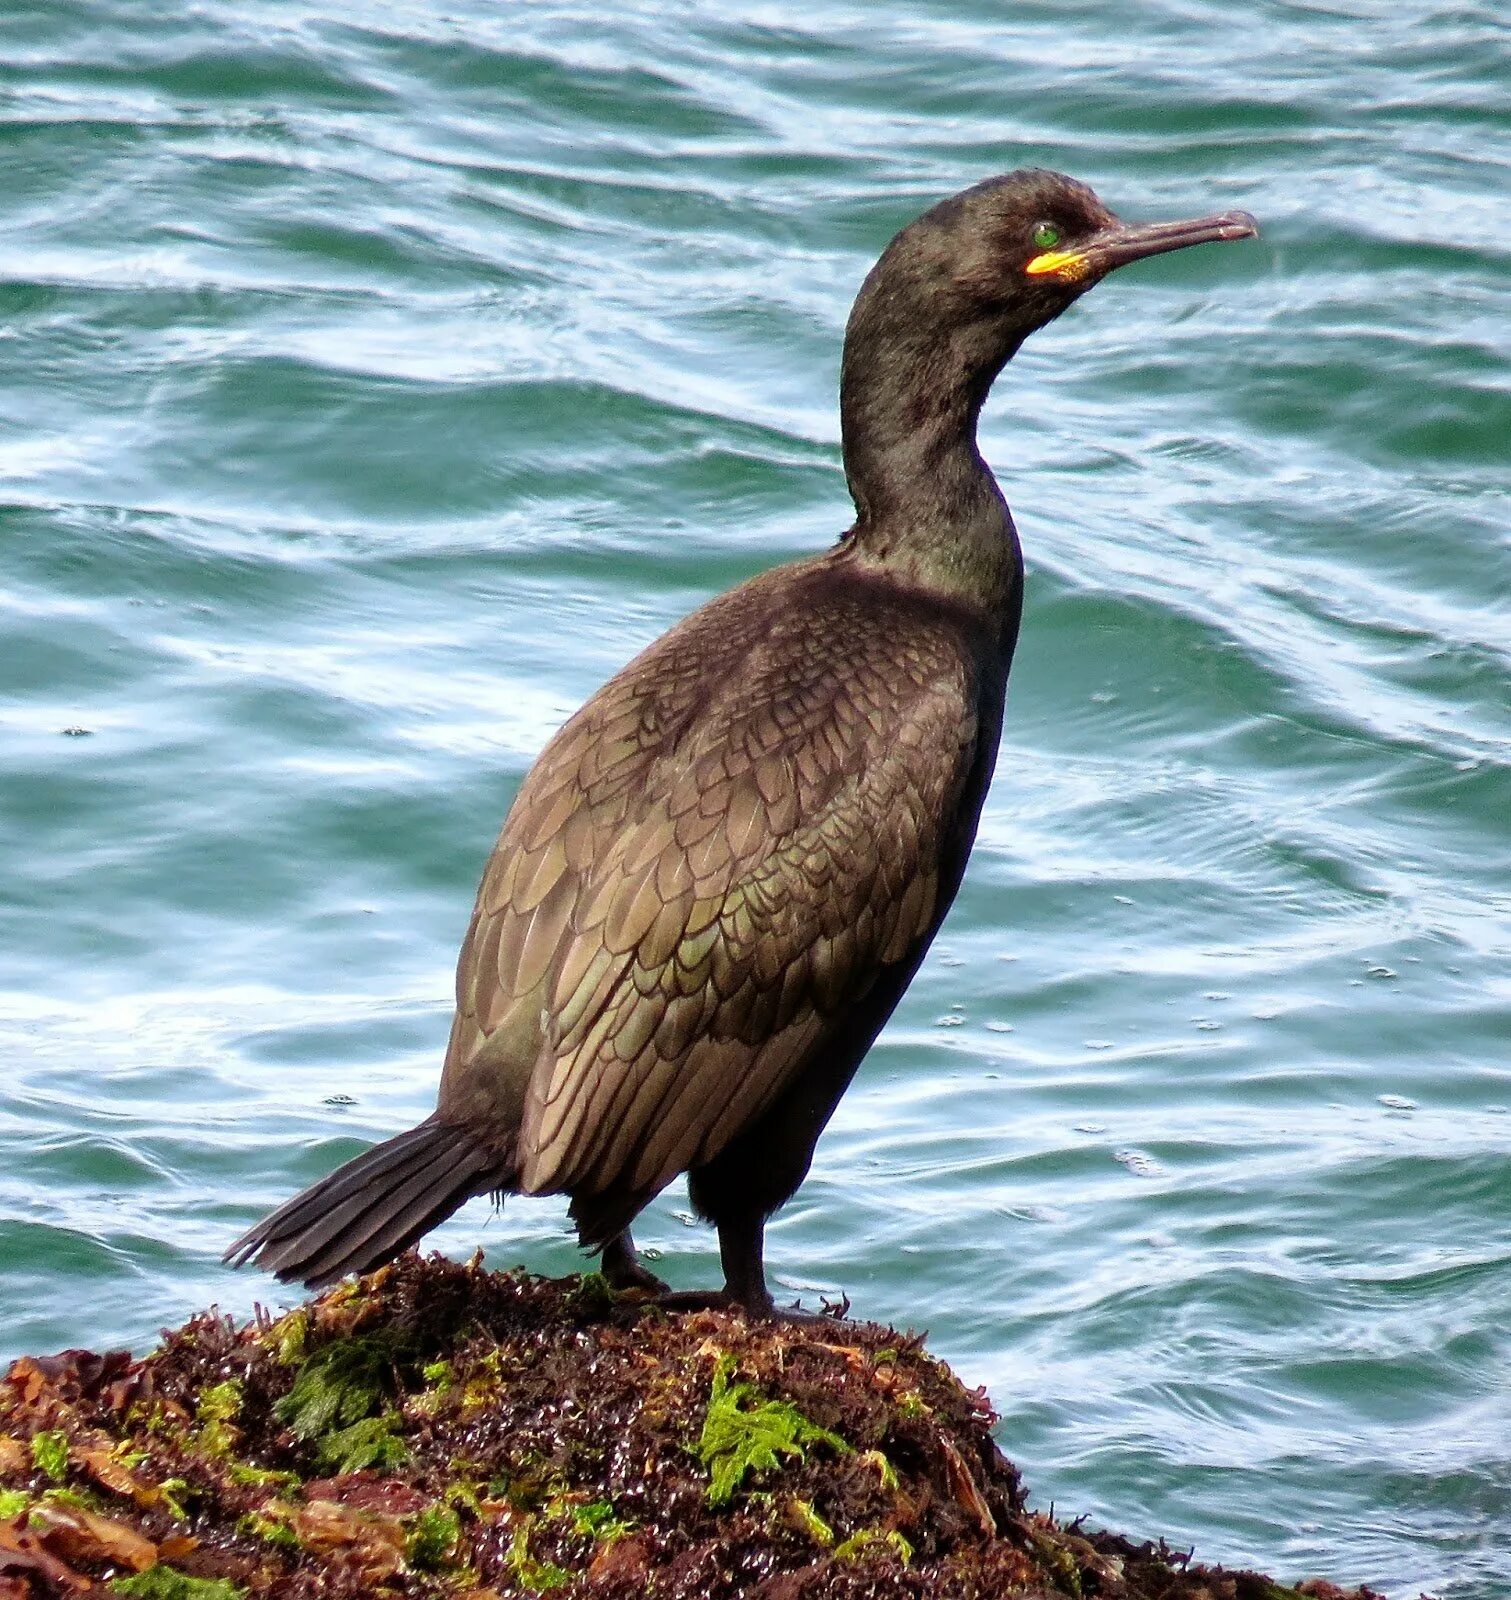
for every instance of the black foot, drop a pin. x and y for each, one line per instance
(795, 1316)
(695, 1300)
(758, 1309)
(623, 1268)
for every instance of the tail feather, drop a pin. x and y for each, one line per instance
(383, 1222)
(355, 1175)
(371, 1209)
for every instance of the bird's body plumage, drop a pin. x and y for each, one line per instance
(712, 864)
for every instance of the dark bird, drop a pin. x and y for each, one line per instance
(720, 876)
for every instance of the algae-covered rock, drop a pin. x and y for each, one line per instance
(439, 1430)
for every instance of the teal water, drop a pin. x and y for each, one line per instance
(375, 380)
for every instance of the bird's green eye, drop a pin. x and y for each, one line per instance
(1046, 236)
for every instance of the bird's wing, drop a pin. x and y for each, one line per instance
(688, 937)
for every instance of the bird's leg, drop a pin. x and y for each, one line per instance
(742, 1248)
(740, 1245)
(745, 1279)
(623, 1268)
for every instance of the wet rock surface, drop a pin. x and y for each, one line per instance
(439, 1430)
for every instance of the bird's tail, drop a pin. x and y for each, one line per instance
(375, 1206)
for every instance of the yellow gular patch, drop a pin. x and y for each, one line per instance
(1069, 265)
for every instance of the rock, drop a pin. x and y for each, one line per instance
(495, 1435)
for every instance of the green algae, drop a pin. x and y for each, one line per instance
(166, 1583)
(62, 1496)
(599, 1521)
(49, 1452)
(243, 1472)
(744, 1434)
(884, 1468)
(172, 1492)
(808, 1519)
(372, 1442)
(270, 1529)
(433, 1538)
(215, 1417)
(343, 1383)
(868, 1539)
(288, 1338)
(539, 1577)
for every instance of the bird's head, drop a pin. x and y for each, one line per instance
(1011, 253)
(1033, 240)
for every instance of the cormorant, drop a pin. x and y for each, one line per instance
(721, 874)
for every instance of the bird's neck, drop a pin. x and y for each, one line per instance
(927, 505)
